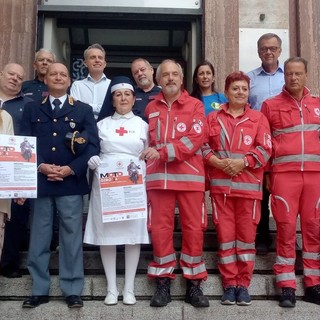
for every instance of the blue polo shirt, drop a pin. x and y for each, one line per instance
(142, 99)
(35, 89)
(15, 108)
(264, 85)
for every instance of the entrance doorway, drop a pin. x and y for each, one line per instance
(125, 36)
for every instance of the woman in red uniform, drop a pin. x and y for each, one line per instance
(239, 146)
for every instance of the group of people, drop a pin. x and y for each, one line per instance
(260, 137)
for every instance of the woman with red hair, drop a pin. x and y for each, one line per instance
(239, 146)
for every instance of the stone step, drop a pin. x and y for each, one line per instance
(262, 287)
(176, 310)
(93, 264)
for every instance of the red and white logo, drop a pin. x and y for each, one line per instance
(181, 127)
(247, 140)
(317, 112)
(197, 128)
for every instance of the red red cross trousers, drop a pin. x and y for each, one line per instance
(121, 131)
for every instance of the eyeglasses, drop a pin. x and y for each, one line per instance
(265, 49)
(45, 60)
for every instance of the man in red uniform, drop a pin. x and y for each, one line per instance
(294, 181)
(175, 173)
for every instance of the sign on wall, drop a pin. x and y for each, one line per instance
(180, 4)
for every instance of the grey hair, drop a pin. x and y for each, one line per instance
(268, 36)
(54, 58)
(94, 46)
(158, 72)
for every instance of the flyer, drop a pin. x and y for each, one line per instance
(18, 167)
(122, 189)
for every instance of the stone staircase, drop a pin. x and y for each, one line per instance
(262, 290)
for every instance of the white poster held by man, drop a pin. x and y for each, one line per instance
(18, 167)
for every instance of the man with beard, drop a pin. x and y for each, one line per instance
(175, 173)
(146, 90)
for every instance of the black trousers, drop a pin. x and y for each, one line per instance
(16, 236)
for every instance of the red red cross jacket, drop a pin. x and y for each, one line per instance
(248, 136)
(178, 133)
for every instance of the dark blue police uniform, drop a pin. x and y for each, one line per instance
(51, 131)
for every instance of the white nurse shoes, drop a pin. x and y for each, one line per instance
(111, 298)
(128, 297)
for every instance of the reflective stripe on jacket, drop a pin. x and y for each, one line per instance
(295, 128)
(247, 135)
(178, 133)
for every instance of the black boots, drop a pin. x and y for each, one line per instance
(194, 294)
(162, 295)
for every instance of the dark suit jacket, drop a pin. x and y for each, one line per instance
(38, 121)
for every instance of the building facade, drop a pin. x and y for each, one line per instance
(224, 32)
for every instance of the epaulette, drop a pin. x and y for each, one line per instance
(71, 100)
(45, 100)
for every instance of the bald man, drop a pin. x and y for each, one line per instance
(13, 101)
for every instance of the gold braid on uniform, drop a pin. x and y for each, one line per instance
(79, 140)
(72, 141)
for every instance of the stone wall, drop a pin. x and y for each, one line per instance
(18, 33)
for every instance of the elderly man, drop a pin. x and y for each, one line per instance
(13, 101)
(294, 117)
(146, 90)
(62, 166)
(266, 81)
(175, 172)
(93, 88)
(36, 89)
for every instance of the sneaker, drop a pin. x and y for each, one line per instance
(287, 298)
(229, 296)
(312, 294)
(111, 298)
(243, 296)
(194, 294)
(162, 295)
(129, 298)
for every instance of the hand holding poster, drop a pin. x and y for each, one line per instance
(18, 167)
(122, 190)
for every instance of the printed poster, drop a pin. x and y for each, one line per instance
(18, 167)
(122, 190)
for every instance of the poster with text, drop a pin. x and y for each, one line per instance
(18, 167)
(122, 189)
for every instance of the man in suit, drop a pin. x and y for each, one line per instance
(66, 139)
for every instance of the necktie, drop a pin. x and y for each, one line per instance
(56, 103)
